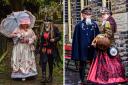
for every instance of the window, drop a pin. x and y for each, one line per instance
(108, 4)
(127, 5)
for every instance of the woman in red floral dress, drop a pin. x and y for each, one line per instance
(105, 69)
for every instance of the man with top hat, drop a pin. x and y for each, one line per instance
(48, 49)
(85, 31)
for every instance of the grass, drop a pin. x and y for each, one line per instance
(5, 69)
(58, 73)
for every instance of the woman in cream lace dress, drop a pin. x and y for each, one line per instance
(23, 59)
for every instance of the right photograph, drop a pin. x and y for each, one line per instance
(96, 42)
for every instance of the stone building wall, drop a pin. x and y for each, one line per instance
(118, 6)
(121, 36)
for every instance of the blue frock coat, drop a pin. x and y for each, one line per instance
(82, 39)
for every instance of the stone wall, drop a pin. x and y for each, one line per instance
(121, 37)
(118, 6)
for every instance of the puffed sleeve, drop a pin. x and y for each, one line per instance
(108, 29)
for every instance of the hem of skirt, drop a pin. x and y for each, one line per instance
(108, 83)
(15, 75)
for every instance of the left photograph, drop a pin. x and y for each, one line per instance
(31, 42)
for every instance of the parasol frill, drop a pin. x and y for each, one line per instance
(12, 22)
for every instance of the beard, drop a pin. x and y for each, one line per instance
(88, 21)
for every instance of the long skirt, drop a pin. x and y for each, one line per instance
(106, 70)
(23, 61)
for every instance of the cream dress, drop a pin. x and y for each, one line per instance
(23, 59)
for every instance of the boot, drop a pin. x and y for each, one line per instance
(50, 62)
(50, 78)
(44, 78)
(50, 75)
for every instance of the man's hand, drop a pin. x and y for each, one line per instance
(94, 42)
(52, 40)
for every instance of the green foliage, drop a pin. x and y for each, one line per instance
(52, 10)
(17, 5)
(32, 7)
(3, 67)
(42, 8)
(4, 9)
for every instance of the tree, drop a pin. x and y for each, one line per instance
(4, 9)
(53, 10)
(41, 8)
(19, 5)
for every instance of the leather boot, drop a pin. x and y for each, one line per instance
(50, 78)
(44, 78)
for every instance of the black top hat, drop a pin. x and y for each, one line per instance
(87, 10)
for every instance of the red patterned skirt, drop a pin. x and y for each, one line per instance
(106, 70)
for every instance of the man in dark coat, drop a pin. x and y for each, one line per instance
(48, 49)
(84, 33)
